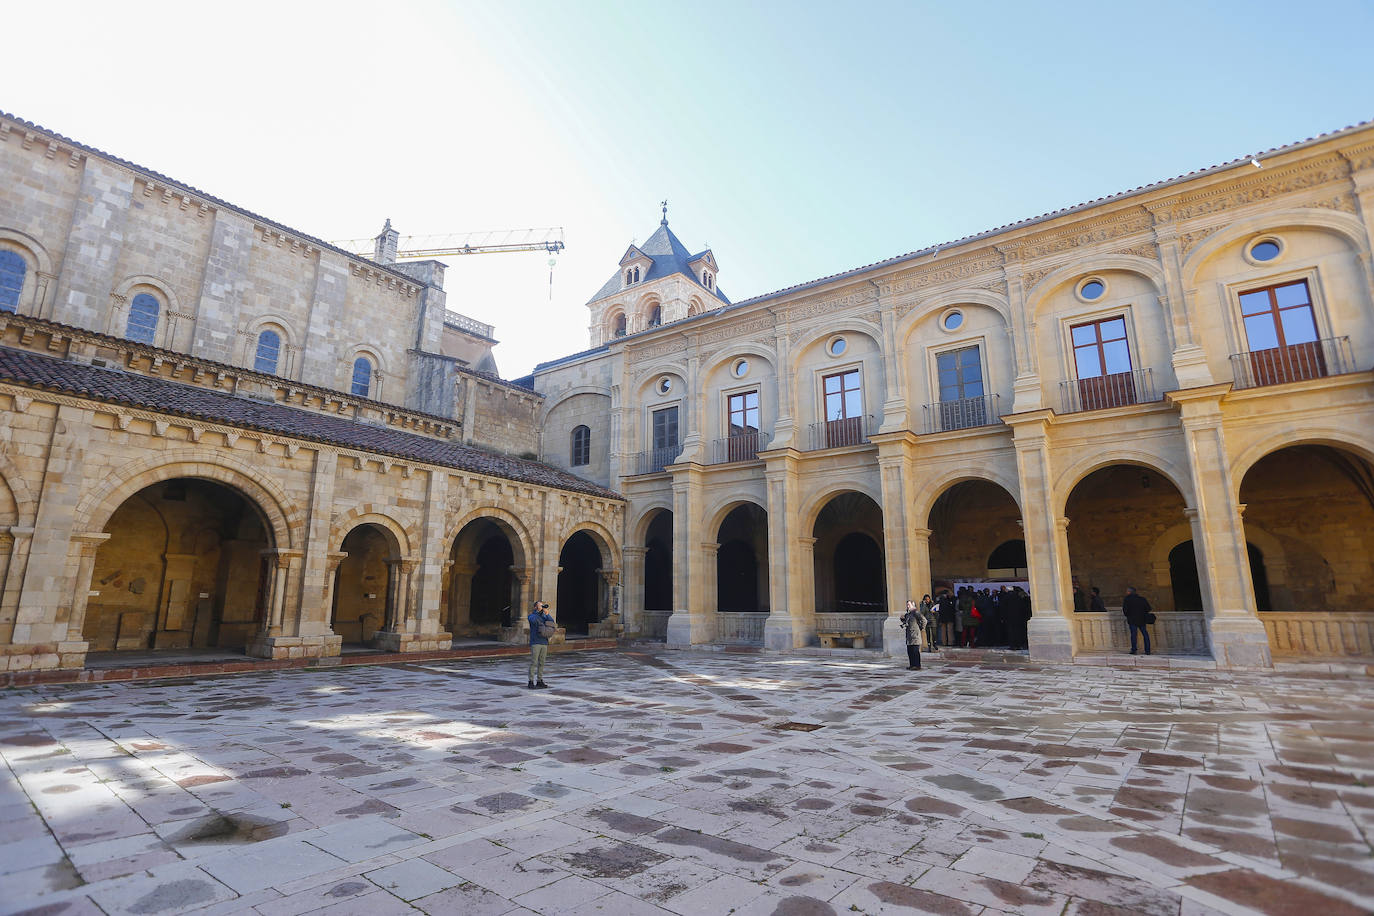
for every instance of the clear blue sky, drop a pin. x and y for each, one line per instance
(797, 139)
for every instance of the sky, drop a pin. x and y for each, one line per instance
(795, 139)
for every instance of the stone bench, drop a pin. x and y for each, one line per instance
(828, 638)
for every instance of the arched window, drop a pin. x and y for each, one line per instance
(12, 270)
(656, 316)
(629, 277)
(269, 349)
(620, 325)
(636, 274)
(581, 446)
(362, 376)
(143, 314)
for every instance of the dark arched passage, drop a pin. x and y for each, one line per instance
(741, 574)
(170, 544)
(849, 571)
(658, 563)
(580, 583)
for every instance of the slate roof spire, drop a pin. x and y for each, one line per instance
(662, 255)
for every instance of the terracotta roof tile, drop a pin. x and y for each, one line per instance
(32, 370)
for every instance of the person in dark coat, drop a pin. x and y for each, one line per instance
(915, 622)
(1137, 611)
(1095, 602)
(948, 616)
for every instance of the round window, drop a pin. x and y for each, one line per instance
(741, 368)
(837, 346)
(953, 320)
(1092, 289)
(1265, 250)
(665, 385)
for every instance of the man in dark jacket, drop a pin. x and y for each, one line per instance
(539, 619)
(1137, 611)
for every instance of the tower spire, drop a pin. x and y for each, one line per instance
(664, 205)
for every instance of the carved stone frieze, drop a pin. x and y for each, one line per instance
(1146, 250)
(1190, 240)
(831, 305)
(938, 272)
(1342, 202)
(1262, 187)
(641, 354)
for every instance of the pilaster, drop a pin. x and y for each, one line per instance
(790, 620)
(94, 244)
(1235, 632)
(1047, 553)
(633, 596)
(693, 569)
(308, 617)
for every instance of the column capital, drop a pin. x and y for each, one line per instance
(634, 552)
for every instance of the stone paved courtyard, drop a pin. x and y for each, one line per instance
(660, 782)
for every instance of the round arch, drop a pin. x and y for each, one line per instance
(283, 518)
(1275, 557)
(606, 543)
(927, 308)
(38, 262)
(1039, 294)
(567, 394)
(640, 527)
(716, 515)
(842, 325)
(158, 285)
(816, 503)
(931, 493)
(645, 379)
(25, 506)
(514, 529)
(1274, 441)
(747, 350)
(398, 539)
(1344, 225)
(1075, 474)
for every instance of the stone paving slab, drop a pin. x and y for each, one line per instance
(656, 781)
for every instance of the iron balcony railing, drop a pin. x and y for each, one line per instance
(1120, 389)
(842, 432)
(1292, 363)
(962, 413)
(737, 447)
(656, 459)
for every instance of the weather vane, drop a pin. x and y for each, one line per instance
(664, 205)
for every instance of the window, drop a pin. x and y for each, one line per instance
(844, 405)
(708, 280)
(740, 369)
(837, 346)
(362, 376)
(1091, 290)
(1102, 358)
(664, 439)
(1265, 250)
(581, 446)
(1282, 333)
(632, 276)
(619, 325)
(269, 349)
(743, 441)
(953, 320)
(656, 316)
(12, 270)
(960, 377)
(664, 385)
(143, 312)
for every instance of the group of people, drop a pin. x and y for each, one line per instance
(969, 617)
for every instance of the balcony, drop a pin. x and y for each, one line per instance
(1292, 363)
(841, 432)
(1120, 389)
(737, 447)
(656, 459)
(962, 413)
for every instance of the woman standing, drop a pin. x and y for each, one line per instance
(927, 607)
(915, 623)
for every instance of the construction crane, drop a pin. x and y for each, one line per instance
(415, 247)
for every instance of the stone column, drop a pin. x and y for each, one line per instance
(1047, 551)
(1235, 632)
(789, 620)
(331, 573)
(690, 623)
(632, 608)
(896, 474)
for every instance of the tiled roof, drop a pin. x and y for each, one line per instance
(669, 257)
(32, 370)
